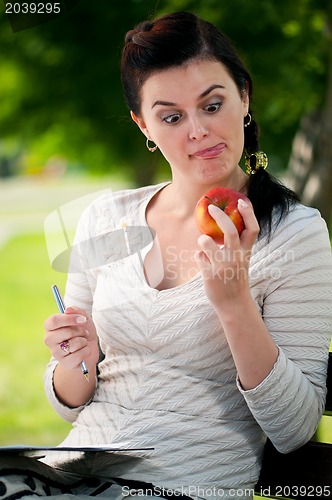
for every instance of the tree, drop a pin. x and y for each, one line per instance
(310, 165)
(61, 81)
(62, 87)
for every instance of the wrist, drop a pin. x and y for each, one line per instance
(236, 308)
(71, 387)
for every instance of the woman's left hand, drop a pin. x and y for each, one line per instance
(225, 270)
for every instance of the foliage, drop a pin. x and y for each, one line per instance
(26, 300)
(60, 92)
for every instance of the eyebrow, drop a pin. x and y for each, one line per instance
(203, 94)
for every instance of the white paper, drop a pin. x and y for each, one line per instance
(116, 447)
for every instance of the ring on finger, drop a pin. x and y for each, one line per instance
(64, 346)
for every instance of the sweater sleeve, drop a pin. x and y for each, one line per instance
(79, 292)
(296, 302)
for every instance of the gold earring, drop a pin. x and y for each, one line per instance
(151, 149)
(248, 115)
(255, 161)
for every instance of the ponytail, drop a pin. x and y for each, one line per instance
(271, 200)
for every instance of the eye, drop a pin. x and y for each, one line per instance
(213, 107)
(172, 118)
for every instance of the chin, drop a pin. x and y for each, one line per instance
(215, 177)
(224, 174)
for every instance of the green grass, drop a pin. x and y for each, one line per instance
(26, 277)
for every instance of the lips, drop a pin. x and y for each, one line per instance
(212, 152)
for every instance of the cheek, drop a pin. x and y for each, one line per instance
(236, 131)
(171, 152)
(238, 127)
(169, 142)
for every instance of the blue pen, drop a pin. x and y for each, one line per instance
(62, 307)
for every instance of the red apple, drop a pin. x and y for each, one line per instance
(227, 200)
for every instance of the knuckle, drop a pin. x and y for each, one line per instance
(54, 322)
(49, 323)
(204, 241)
(233, 234)
(256, 227)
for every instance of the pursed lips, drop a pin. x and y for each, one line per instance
(210, 152)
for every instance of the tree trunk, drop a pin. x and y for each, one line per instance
(310, 167)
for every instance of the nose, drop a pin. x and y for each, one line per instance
(197, 130)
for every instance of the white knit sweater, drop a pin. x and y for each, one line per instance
(168, 379)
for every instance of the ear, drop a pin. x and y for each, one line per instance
(245, 99)
(140, 123)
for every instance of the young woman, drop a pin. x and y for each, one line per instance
(198, 350)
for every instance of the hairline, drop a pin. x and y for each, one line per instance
(203, 56)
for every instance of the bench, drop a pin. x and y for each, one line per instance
(306, 472)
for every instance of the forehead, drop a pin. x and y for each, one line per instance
(190, 80)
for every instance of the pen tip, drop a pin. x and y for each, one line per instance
(86, 375)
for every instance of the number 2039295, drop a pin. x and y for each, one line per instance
(303, 491)
(32, 8)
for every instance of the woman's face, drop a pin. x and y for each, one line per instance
(195, 114)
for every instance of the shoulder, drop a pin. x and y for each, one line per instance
(299, 217)
(302, 225)
(112, 206)
(112, 209)
(123, 198)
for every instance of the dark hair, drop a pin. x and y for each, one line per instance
(178, 38)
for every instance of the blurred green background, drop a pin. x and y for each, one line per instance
(65, 132)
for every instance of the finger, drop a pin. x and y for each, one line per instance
(251, 226)
(73, 360)
(76, 310)
(64, 320)
(210, 253)
(231, 235)
(208, 245)
(204, 263)
(54, 338)
(81, 313)
(73, 345)
(65, 347)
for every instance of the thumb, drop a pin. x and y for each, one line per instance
(76, 310)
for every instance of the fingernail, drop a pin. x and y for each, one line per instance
(81, 319)
(213, 209)
(242, 203)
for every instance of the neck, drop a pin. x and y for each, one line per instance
(181, 196)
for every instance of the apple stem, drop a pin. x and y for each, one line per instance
(213, 202)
